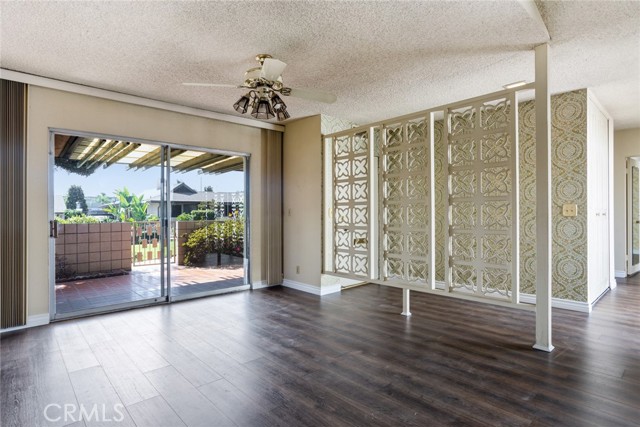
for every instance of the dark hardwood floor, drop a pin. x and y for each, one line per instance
(279, 357)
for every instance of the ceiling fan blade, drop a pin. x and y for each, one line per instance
(272, 69)
(314, 95)
(210, 85)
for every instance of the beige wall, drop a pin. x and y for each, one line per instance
(302, 200)
(626, 144)
(55, 109)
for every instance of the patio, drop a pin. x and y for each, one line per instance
(143, 283)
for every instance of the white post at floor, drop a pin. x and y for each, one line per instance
(406, 311)
(543, 200)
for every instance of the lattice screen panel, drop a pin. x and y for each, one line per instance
(406, 206)
(351, 192)
(483, 199)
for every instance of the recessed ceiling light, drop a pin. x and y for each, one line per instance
(515, 84)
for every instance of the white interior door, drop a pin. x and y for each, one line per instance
(598, 203)
(633, 216)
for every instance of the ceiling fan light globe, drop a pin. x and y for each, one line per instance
(242, 105)
(278, 103)
(282, 115)
(262, 110)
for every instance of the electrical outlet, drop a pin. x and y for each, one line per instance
(297, 269)
(569, 209)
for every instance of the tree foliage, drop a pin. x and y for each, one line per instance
(71, 166)
(128, 207)
(75, 199)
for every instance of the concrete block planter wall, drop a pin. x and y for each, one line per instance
(94, 248)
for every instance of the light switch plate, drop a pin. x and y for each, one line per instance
(569, 209)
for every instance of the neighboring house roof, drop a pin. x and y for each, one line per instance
(183, 188)
(182, 193)
(198, 197)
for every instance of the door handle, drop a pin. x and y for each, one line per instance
(53, 229)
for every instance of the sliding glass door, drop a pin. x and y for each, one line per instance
(207, 212)
(108, 249)
(135, 223)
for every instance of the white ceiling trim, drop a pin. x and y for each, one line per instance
(49, 83)
(533, 11)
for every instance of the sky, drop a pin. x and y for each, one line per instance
(138, 181)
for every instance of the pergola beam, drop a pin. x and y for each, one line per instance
(233, 163)
(152, 156)
(90, 151)
(197, 162)
(96, 153)
(113, 148)
(124, 152)
(70, 147)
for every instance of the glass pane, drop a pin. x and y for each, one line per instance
(109, 242)
(207, 222)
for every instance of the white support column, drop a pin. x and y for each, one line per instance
(543, 200)
(406, 311)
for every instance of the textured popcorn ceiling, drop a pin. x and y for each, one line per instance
(381, 59)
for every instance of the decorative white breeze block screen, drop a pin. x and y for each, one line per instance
(405, 203)
(483, 199)
(351, 192)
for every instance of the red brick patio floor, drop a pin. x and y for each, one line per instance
(143, 283)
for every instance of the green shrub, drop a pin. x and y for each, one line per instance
(69, 213)
(220, 237)
(184, 217)
(203, 214)
(79, 219)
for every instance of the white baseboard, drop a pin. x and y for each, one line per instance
(333, 289)
(38, 320)
(311, 289)
(32, 322)
(565, 304)
(621, 273)
(613, 284)
(260, 285)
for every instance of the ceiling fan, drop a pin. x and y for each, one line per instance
(264, 84)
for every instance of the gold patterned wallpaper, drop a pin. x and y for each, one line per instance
(569, 185)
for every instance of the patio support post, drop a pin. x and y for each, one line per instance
(543, 200)
(405, 303)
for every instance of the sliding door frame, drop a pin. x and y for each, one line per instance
(165, 220)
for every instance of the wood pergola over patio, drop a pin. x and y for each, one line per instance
(84, 155)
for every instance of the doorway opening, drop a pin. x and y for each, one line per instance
(138, 222)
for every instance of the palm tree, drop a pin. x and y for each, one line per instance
(128, 207)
